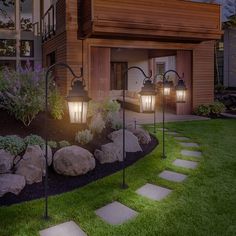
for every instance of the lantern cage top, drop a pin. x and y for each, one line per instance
(181, 85)
(148, 88)
(167, 84)
(78, 93)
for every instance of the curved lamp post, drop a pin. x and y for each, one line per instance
(147, 104)
(77, 103)
(180, 98)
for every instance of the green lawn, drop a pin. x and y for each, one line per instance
(205, 204)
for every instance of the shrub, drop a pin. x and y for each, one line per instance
(217, 108)
(97, 124)
(63, 143)
(34, 139)
(13, 144)
(83, 137)
(111, 106)
(56, 104)
(114, 120)
(23, 93)
(52, 144)
(203, 110)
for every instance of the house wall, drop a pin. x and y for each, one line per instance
(230, 58)
(134, 57)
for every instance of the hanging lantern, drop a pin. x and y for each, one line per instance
(148, 97)
(167, 88)
(78, 103)
(180, 91)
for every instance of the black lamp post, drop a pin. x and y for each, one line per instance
(180, 97)
(77, 104)
(147, 104)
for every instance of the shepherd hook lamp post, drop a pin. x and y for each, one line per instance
(77, 100)
(180, 98)
(147, 104)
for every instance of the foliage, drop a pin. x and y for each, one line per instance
(97, 124)
(83, 137)
(114, 120)
(34, 139)
(202, 110)
(212, 110)
(63, 143)
(217, 108)
(24, 93)
(56, 104)
(219, 88)
(13, 144)
(52, 144)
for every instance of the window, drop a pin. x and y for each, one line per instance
(7, 63)
(26, 20)
(27, 48)
(7, 47)
(160, 68)
(118, 71)
(51, 59)
(27, 64)
(7, 14)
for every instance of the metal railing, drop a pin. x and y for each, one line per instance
(49, 23)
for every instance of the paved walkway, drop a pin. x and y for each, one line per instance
(115, 213)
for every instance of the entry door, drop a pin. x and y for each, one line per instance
(118, 74)
(100, 73)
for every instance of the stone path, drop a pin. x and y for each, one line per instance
(153, 192)
(185, 164)
(116, 213)
(66, 229)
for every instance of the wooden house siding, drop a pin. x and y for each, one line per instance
(152, 19)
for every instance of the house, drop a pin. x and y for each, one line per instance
(20, 39)
(106, 37)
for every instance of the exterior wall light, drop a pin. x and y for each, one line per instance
(180, 91)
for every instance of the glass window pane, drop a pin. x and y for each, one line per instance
(7, 14)
(26, 21)
(26, 48)
(7, 47)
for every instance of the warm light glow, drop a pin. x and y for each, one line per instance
(78, 112)
(148, 103)
(167, 91)
(180, 96)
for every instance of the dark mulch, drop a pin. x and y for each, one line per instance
(59, 130)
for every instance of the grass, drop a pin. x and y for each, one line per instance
(203, 205)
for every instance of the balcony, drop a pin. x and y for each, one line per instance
(154, 19)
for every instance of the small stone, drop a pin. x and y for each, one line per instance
(153, 192)
(116, 213)
(191, 153)
(172, 176)
(185, 164)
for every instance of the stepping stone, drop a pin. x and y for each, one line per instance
(189, 144)
(161, 129)
(153, 192)
(172, 133)
(182, 138)
(69, 228)
(172, 176)
(116, 213)
(185, 164)
(191, 153)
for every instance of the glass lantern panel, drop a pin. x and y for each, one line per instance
(148, 103)
(180, 96)
(78, 112)
(166, 91)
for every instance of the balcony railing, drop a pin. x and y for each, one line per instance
(49, 23)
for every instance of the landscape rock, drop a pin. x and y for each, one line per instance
(142, 135)
(109, 153)
(6, 161)
(10, 183)
(31, 173)
(73, 161)
(49, 154)
(131, 141)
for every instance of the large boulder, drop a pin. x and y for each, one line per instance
(49, 154)
(6, 161)
(142, 135)
(109, 153)
(73, 161)
(131, 141)
(10, 183)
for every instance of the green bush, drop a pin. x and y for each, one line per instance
(34, 139)
(63, 143)
(217, 108)
(97, 124)
(83, 137)
(52, 144)
(13, 144)
(203, 110)
(56, 104)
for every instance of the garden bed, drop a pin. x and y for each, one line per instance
(57, 131)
